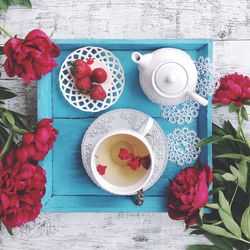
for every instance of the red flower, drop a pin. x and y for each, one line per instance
(22, 186)
(30, 58)
(188, 192)
(22, 154)
(234, 89)
(38, 144)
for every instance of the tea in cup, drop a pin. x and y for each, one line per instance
(122, 162)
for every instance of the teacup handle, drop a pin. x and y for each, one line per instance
(145, 130)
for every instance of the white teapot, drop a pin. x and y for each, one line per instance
(168, 76)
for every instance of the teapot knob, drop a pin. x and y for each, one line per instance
(170, 79)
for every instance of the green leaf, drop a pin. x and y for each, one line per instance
(218, 177)
(220, 242)
(203, 247)
(216, 190)
(4, 134)
(6, 94)
(19, 130)
(230, 223)
(213, 205)
(216, 138)
(4, 4)
(229, 129)
(234, 156)
(244, 113)
(9, 230)
(9, 117)
(224, 203)
(245, 222)
(25, 3)
(247, 102)
(6, 146)
(233, 108)
(19, 120)
(1, 50)
(218, 130)
(243, 170)
(229, 177)
(240, 178)
(217, 231)
(210, 139)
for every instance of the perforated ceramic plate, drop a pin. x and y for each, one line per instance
(113, 86)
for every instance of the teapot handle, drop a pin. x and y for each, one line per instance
(196, 97)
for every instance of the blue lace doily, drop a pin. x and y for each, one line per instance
(182, 146)
(189, 110)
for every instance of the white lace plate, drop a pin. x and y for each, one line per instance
(113, 86)
(125, 119)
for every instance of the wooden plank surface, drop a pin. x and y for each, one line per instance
(226, 21)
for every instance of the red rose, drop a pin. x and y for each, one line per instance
(188, 192)
(30, 58)
(22, 186)
(38, 144)
(234, 89)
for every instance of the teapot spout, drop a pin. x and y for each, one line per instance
(141, 60)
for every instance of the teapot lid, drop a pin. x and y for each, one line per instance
(170, 78)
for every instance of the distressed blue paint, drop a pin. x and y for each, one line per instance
(69, 188)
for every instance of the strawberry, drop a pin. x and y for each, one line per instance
(79, 69)
(84, 85)
(99, 75)
(98, 93)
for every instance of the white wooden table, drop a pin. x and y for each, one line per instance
(226, 21)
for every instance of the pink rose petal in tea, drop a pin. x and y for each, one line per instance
(145, 161)
(124, 154)
(134, 163)
(101, 169)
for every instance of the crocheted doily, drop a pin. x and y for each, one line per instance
(182, 146)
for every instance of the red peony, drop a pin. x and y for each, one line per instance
(22, 186)
(234, 89)
(30, 58)
(36, 145)
(188, 192)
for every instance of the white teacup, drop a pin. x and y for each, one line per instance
(129, 181)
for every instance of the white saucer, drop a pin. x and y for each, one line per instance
(125, 119)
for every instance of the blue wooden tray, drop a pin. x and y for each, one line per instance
(69, 189)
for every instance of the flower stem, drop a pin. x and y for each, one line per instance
(6, 32)
(246, 241)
